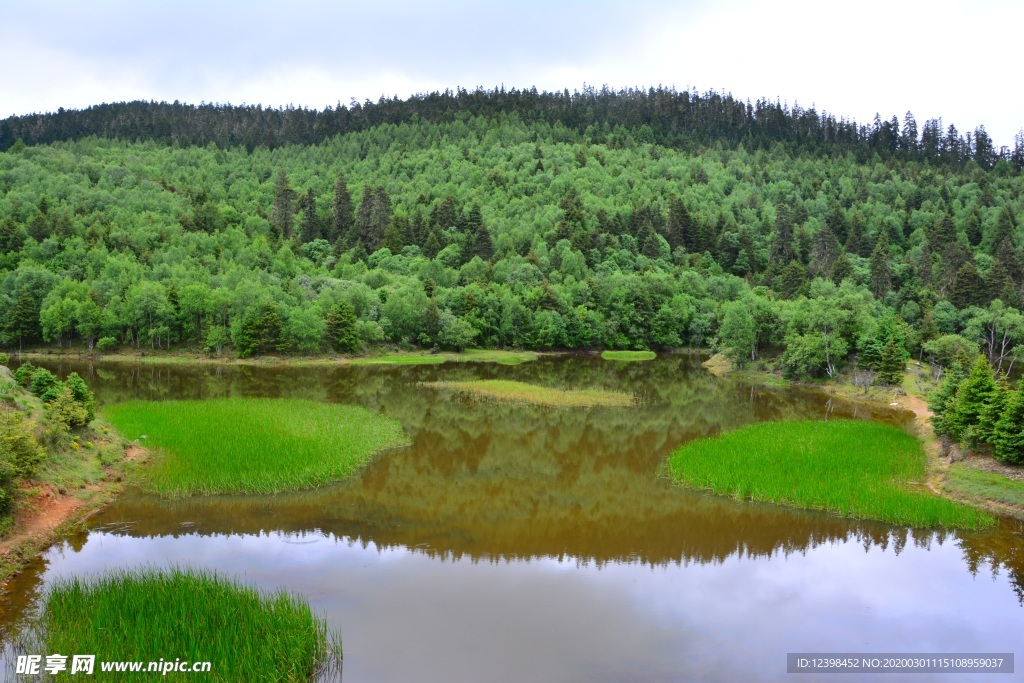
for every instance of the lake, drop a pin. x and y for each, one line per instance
(516, 542)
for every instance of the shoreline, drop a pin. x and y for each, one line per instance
(50, 515)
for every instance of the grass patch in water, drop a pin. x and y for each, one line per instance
(521, 392)
(494, 356)
(630, 356)
(252, 445)
(853, 468)
(424, 359)
(974, 483)
(197, 616)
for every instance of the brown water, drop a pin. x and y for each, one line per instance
(514, 543)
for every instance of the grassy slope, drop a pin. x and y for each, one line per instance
(853, 468)
(530, 393)
(253, 445)
(195, 616)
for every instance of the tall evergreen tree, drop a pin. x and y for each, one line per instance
(310, 225)
(340, 327)
(782, 237)
(968, 287)
(1008, 434)
(881, 271)
(343, 218)
(282, 213)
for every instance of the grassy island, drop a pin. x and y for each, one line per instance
(853, 468)
(252, 445)
(194, 616)
(521, 392)
(628, 356)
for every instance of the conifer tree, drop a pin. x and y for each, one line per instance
(282, 213)
(1008, 434)
(340, 325)
(309, 227)
(891, 364)
(972, 397)
(881, 272)
(342, 217)
(968, 287)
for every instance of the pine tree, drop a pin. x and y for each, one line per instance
(380, 219)
(343, 217)
(283, 213)
(680, 228)
(857, 242)
(881, 271)
(1008, 434)
(11, 236)
(968, 287)
(364, 217)
(482, 245)
(891, 363)
(23, 318)
(972, 397)
(309, 227)
(340, 326)
(792, 280)
(825, 252)
(782, 237)
(432, 321)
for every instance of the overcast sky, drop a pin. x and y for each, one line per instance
(937, 58)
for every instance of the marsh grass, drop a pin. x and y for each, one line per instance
(522, 392)
(974, 483)
(494, 356)
(252, 445)
(418, 359)
(148, 615)
(853, 468)
(629, 356)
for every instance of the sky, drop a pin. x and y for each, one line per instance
(936, 58)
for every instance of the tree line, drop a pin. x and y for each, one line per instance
(677, 119)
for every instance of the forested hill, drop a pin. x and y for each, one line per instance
(682, 120)
(513, 229)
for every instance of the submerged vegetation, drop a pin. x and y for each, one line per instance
(521, 392)
(853, 468)
(629, 355)
(194, 616)
(249, 445)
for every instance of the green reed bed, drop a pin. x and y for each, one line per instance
(521, 392)
(252, 445)
(414, 359)
(628, 356)
(853, 468)
(191, 615)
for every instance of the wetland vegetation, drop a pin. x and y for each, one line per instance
(628, 355)
(192, 615)
(853, 468)
(252, 445)
(521, 392)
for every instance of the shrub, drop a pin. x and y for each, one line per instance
(80, 390)
(18, 445)
(42, 382)
(66, 409)
(106, 344)
(24, 374)
(4, 359)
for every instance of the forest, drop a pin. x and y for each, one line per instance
(486, 220)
